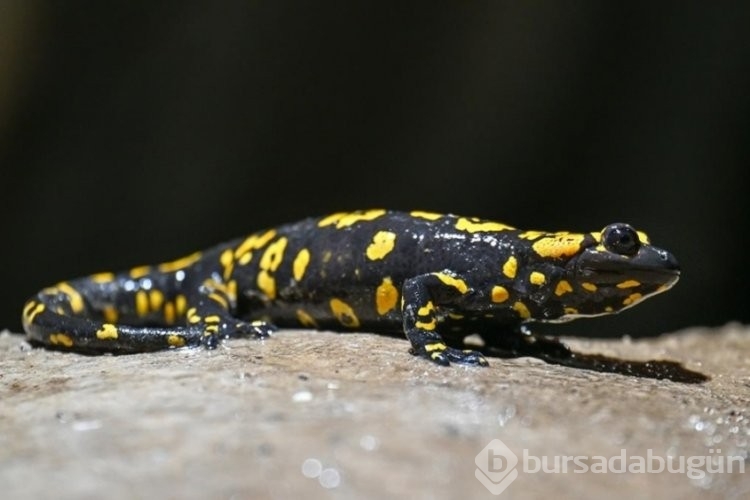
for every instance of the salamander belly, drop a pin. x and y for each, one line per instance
(354, 311)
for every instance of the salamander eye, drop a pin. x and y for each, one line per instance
(621, 239)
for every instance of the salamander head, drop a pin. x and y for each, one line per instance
(618, 270)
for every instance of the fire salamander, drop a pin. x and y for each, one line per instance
(436, 278)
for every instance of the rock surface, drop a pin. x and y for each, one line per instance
(326, 415)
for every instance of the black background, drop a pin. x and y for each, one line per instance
(137, 132)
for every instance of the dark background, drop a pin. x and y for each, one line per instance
(136, 133)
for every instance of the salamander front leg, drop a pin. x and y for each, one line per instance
(422, 296)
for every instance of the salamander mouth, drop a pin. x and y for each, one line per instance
(650, 265)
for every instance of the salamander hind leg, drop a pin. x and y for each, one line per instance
(422, 297)
(212, 314)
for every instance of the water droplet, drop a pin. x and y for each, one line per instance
(311, 468)
(86, 425)
(329, 478)
(369, 442)
(302, 396)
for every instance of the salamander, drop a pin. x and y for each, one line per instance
(435, 278)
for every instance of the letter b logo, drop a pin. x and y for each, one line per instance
(496, 466)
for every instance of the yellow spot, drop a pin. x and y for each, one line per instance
(629, 284)
(108, 331)
(169, 314)
(180, 304)
(425, 215)
(344, 219)
(212, 319)
(331, 219)
(643, 237)
(382, 244)
(510, 267)
(456, 283)
(226, 259)
(608, 309)
(300, 264)
(192, 315)
(141, 303)
(110, 314)
(571, 310)
(386, 296)
(355, 217)
(305, 319)
(217, 297)
(176, 341)
(269, 262)
(28, 307)
(344, 313)
(139, 272)
(155, 299)
(253, 242)
(273, 255)
(589, 287)
(631, 299)
(455, 316)
(522, 310)
(429, 325)
(102, 277)
(31, 311)
(180, 263)
(245, 258)
(427, 309)
(76, 300)
(499, 294)
(263, 239)
(562, 288)
(474, 225)
(537, 278)
(60, 339)
(600, 248)
(559, 246)
(267, 284)
(436, 346)
(531, 235)
(210, 329)
(597, 236)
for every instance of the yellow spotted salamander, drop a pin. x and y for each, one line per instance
(436, 278)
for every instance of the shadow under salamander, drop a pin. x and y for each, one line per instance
(555, 352)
